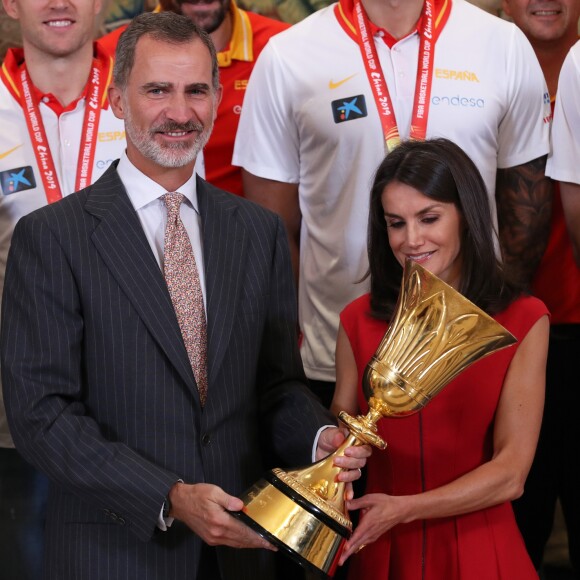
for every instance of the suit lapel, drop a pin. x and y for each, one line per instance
(123, 246)
(224, 249)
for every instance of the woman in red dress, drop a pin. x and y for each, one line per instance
(437, 500)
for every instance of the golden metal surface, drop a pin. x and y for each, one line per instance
(292, 525)
(315, 486)
(435, 334)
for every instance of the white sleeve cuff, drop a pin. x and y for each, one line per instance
(165, 523)
(315, 446)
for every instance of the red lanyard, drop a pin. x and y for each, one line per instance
(378, 82)
(40, 144)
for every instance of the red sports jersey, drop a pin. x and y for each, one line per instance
(108, 42)
(250, 34)
(557, 280)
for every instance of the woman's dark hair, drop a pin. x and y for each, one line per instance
(442, 171)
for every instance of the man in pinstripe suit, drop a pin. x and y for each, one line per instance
(99, 389)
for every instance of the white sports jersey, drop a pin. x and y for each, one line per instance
(564, 162)
(488, 95)
(21, 184)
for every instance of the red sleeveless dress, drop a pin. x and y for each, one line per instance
(451, 436)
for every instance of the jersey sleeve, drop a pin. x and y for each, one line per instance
(524, 129)
(267, 143)
(563, 164)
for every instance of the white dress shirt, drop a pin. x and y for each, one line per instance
(145, 195)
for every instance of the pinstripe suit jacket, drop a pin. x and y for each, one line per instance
(100, 394)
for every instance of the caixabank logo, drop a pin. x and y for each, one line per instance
(17, 179)
(349, 109)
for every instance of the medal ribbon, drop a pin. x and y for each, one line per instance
(37, 132)
(378, 82)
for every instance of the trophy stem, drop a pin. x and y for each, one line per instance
(363, 429)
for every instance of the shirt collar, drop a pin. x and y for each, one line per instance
(241, 45)
(344, 12)
(144, 190)
(14, 60)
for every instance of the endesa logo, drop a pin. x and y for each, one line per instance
(458, 101)
(103, 163)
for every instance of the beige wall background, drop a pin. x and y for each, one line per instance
(9, 32)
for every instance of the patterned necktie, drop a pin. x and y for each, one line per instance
(182, 279)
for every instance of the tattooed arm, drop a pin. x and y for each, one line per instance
(524, 208)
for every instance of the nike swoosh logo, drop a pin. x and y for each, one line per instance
(6, 153)
(333, 85)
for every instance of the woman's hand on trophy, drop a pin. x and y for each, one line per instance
(351, 461)
(204, 508)
(379, 513)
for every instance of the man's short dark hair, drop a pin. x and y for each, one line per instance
(163, 26)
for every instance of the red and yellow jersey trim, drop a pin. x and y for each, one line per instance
(241, 46)
(14, 60)
(344, 12)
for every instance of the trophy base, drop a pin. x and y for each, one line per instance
(295, 525)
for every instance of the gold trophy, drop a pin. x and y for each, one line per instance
(435, 334)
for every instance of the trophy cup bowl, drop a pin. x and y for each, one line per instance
(434, 335)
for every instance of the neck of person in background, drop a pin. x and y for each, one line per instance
(398, 17)
(221, 36)
(65, 77)
(551, 55)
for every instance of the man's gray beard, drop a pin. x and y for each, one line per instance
(172, 155)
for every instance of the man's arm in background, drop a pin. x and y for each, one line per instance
(524, 208)
(281, 198)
